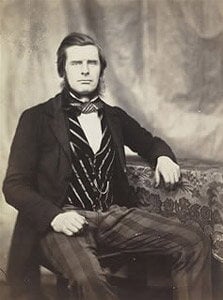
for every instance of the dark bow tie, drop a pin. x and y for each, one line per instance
(87, 107)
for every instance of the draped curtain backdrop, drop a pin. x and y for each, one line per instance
(165, 68)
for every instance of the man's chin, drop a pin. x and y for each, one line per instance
(84, 92)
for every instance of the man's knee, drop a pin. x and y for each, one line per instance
(201, 248)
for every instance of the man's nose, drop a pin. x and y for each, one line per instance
(85, 69)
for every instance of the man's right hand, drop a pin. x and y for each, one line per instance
(69, 222)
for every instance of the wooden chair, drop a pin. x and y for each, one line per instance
(134, 275)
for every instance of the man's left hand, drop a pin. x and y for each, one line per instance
(169, 170)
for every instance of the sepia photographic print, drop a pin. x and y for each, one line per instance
(111, 121)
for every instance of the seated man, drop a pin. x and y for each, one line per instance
(67, 178)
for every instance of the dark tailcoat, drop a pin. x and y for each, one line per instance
(39, 172)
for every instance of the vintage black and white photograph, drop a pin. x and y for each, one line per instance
(111, 129)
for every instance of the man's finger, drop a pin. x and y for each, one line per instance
(67, 232)
(167, 180)
(178, 171)
(176, 177)
(157, 177)
(166, 177)
(74, 227)
(77, 222)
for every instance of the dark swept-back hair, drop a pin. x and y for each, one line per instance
(76, 39)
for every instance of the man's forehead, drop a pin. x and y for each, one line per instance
(82, 52)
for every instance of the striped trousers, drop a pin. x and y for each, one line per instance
(129, 230)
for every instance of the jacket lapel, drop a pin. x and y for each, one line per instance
(114, 126)
(59, 125)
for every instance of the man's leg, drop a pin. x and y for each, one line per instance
(138, 230)
(74, 257)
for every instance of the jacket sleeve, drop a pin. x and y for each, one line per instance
(19, 186)
(141, 141)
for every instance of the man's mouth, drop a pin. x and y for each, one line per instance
(85, 81)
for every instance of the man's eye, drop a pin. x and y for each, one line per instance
(76, 62)
(93, 62)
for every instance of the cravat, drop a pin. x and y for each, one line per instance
(87, 107)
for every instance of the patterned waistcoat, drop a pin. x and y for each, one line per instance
(90, 187)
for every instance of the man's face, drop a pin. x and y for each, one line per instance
(82, 68)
